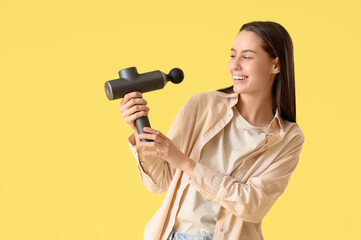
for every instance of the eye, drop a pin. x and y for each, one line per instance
(246, 57)
(232, 56)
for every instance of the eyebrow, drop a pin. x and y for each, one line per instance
(246, 50)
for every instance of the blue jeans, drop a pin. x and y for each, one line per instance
(183, 236)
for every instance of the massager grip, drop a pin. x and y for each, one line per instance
(140, 123)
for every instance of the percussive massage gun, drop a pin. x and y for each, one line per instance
(131, 81)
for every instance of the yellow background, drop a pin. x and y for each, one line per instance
(65, 168)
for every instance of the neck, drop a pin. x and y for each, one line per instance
(257, 110)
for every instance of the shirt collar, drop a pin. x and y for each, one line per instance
(276, 123)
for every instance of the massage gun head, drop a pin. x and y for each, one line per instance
(176, 75)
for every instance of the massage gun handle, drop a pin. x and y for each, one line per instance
(140, 123)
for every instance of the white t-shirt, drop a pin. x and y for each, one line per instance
(225, 153)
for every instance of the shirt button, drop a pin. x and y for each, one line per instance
(221, 229)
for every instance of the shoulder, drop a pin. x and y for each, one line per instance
(292, 134)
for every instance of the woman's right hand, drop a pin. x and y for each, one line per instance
(132, 107)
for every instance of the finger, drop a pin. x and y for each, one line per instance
(153, 137)
(150, 144)
(133, 102)
(152, 153)
(135, 109)
(131, 95)
(135, 116)
(153, 131)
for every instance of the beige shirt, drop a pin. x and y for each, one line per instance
(224, 153)
(245, 195)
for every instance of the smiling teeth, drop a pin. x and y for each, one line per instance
(239, 78)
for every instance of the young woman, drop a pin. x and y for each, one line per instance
(229, 153)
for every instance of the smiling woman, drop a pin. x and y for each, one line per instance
(230, 153)
(256, 46)
(253, 72)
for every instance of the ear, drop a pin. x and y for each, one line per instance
(276, 67)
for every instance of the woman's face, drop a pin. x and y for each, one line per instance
(252, 69)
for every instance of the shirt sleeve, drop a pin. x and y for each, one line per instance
(155, 172)
(253, 199)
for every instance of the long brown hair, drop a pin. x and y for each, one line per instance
(277, 43)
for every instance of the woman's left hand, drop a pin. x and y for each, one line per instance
(166, 150)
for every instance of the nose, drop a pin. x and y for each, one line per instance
(236, 64)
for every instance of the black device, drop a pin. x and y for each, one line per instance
(131, 81)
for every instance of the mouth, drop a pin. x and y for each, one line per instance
(239, 77)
